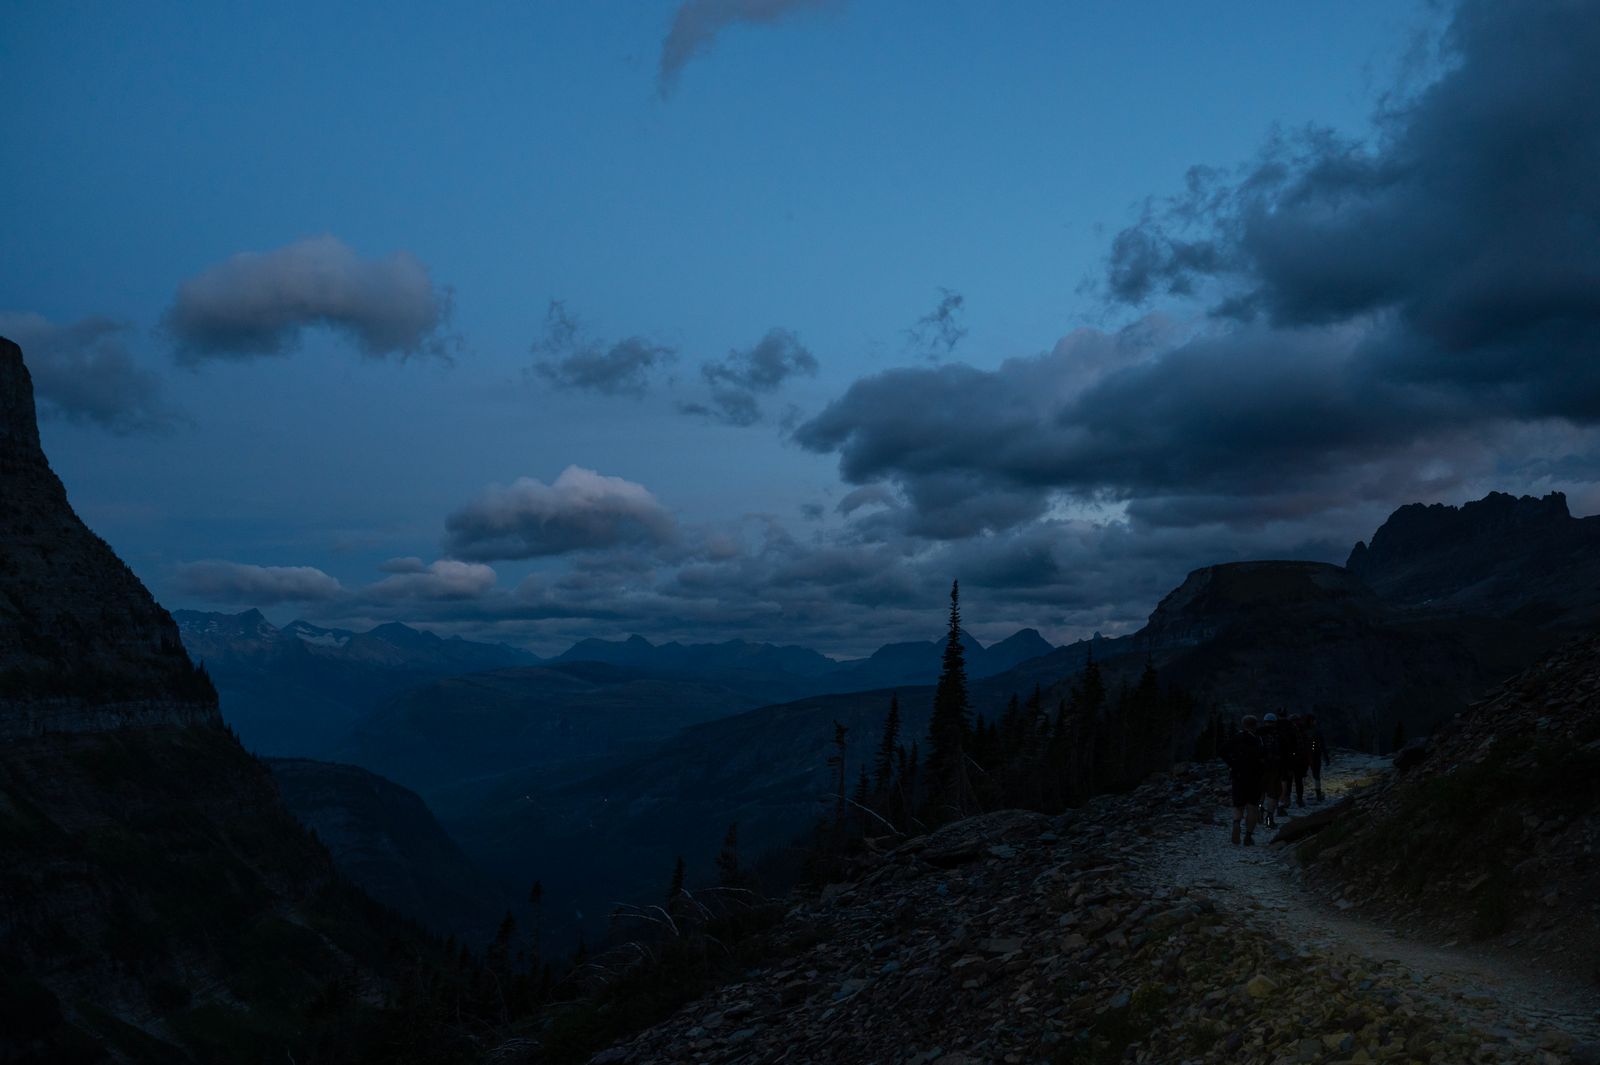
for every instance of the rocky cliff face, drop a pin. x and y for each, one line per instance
(1216, 598)
(83, 646)
(157, 902)
(1502, 555)
(1253, 637)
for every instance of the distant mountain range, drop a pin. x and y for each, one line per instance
(299, 689)
(305, 690)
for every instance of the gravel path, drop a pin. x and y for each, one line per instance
(1266, 881)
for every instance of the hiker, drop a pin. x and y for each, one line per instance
(1302, 757)
(1246, 769)
(1272, 769)
(1288, 756)
(1318, 748)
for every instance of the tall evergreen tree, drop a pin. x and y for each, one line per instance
(836, 764)
(883, 764)
(676, 888)
(950, 727)
(728, 874)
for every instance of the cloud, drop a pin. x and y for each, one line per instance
(868, 495)
(259, 303)
(1469, 224)
(83, 372)
(442, 580)
(581, 511)
(217, 581)
(742, 377)
(936, 334)
(1383, 322)
(569, 360)
(697, 24)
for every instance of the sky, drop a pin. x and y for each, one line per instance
(766, 319)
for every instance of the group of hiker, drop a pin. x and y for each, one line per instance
(1268, 760)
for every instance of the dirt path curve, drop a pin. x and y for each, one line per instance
(1266, 882)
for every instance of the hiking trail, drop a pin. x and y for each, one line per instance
(1267, 883)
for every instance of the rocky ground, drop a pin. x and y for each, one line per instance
(1493, 835)
(1126, 931)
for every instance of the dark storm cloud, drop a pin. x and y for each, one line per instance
(1473, 219)
(259, 303)
(581, 511)
(937, 333)
(568, 359)
(742, 377)
(83, 372)
(217, 581)
(1377, 311)
(697, 23)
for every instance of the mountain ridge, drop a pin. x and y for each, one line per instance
(157, 900)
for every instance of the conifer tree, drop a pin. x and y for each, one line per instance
(836, 763)
(950, 727)
(883, 764)
(676, 888)
(728, 874)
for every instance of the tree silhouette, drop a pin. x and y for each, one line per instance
(950, 727)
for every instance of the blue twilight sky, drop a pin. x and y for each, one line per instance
(854, 297)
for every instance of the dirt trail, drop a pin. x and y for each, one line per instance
(1266, 881)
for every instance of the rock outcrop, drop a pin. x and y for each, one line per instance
(83, 646)
(1251, 637)
(157, 901)
(1501, 555)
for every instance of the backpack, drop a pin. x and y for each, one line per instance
(1270, 747)
(1243, 754)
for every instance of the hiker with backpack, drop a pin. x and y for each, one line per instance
(1318, 751)
(1288, 758)
(1302, 757)
(1272, 761)
(1247, 772)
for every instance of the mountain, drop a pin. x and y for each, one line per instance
(157, 901)
(917, 663)
(789, 672)
(299, 689)
(702, 659)
(1502, 556)
(83, 647)
(483, 724)
(1259, 636)
(384, 838)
